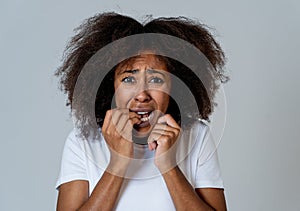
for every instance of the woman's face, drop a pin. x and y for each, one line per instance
(142, 85)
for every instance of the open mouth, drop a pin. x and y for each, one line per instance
(148, 118)
(145, 115)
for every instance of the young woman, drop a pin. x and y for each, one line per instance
(130, 160)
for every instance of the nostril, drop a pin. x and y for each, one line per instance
(143, 96)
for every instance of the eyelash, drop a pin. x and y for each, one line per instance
(153, 80)
(157, 79)
(124, 80)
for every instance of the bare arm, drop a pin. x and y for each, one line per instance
(186, 198)
(213, 196)
(75, 195)
(72, 195)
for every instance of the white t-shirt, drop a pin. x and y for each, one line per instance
(144, 187)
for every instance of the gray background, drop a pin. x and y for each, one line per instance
(259, 152)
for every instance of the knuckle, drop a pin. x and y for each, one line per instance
(177, 131)
(172, 133)
(165, 138)
(168, 115)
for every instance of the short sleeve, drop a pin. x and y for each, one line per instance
(208, 173)
(73, 163)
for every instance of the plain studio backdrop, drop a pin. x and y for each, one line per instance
(260, 148)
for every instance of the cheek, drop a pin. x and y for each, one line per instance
(162, 100)
(122, 97)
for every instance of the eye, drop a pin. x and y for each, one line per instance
(156, 80)
(128, 80)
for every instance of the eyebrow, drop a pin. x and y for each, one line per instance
(150, 71)
(128, 71)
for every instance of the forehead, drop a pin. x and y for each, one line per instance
(143, 61)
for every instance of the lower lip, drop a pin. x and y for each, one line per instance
(143, 124)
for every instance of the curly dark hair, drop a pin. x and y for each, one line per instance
(103, 29)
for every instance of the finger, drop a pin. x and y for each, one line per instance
(169, 120)
(127, 131)
(116, 115)
(126, 118)
(121, 116)
(134, 117)
(162, 134)
(121, 124)
(135, 121)
(126, 121)
(130, 114)
(164, 127)
(107, 120)
(152, 145)
(115, 126)
(133, 114)
(167, 130)
(157, 136)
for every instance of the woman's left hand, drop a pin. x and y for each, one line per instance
(163, 136)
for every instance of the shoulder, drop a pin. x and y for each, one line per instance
(201, 126)
(198, 130)
(76, 144)
(199, 139)
(75, 137)
(192, 139)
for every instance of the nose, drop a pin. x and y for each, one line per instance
(143, 96)
(142, 92)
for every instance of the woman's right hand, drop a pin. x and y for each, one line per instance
(117, 132)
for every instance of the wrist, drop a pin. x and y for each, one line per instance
(118, 166)
(165, 165)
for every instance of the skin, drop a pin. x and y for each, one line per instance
(143, 84)
(136, 90)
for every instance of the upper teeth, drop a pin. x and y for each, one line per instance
(142, 112)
